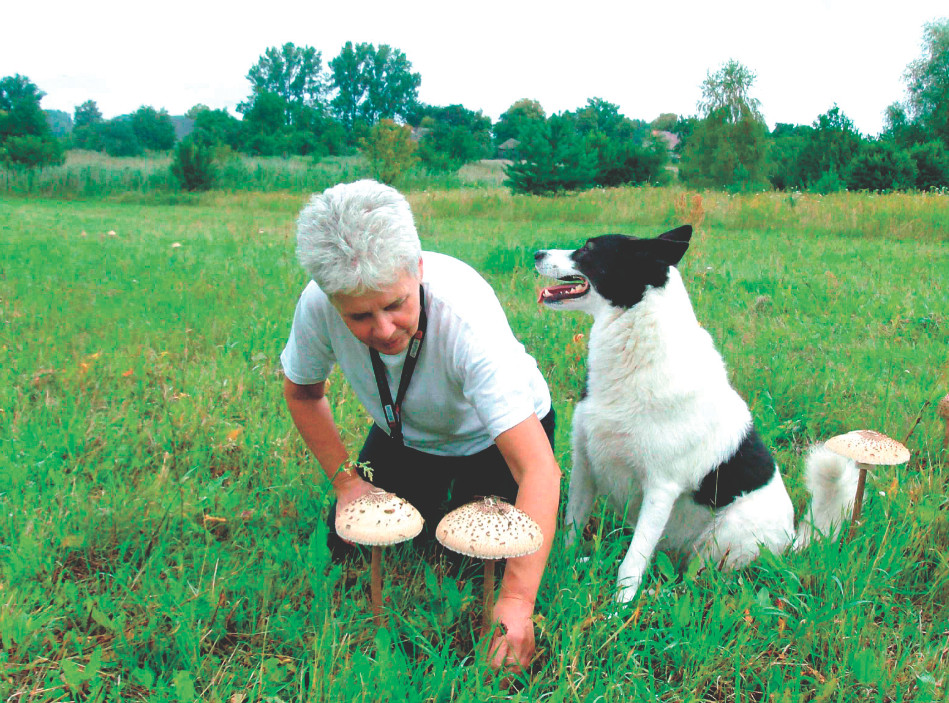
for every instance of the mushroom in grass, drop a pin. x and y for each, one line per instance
(942, 409)
(867, 448)
(378, 519)
(489, 529)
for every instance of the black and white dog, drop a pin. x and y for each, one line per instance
(659, 430)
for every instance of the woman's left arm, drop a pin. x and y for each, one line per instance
(527, 451)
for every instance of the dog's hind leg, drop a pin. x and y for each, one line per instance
(582, 491)
(654, 513)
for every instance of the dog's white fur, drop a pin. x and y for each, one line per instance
(659, 414)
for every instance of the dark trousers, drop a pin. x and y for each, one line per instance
(435, 485)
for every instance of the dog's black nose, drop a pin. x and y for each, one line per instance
(538, 255)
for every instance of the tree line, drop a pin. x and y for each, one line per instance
(366, 100)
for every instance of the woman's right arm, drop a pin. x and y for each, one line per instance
(313, 416)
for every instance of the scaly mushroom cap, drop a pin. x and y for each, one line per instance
(868, 447)
(378, 518)
(489, 529)
(942, 407)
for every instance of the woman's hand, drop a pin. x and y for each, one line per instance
(348, 486)
(513, 645)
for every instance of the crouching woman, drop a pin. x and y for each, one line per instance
(460, 409)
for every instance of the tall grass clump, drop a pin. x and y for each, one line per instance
(162, 533)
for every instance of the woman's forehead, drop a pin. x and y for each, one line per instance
(350, 303)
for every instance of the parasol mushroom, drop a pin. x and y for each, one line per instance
(378, 519)
(942, 409)
(489, 529)
(867, 448)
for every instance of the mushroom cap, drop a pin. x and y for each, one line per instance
(489, 529)
(942, 407)
(378, 518)
(868, 447)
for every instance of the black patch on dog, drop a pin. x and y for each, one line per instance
(621, 267)
(749, 468)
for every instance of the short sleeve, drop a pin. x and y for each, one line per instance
(308, 356)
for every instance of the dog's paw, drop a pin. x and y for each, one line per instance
(626, 591)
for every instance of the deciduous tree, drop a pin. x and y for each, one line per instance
(153, 128)
(294, 74)
(25, 136)
(373, 84)
(927, 80)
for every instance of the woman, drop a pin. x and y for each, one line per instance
(460, 409)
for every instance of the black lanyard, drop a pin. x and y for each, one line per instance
(393, 411)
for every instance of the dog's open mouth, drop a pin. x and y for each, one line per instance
(575, 287)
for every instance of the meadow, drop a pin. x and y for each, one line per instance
(161, 534)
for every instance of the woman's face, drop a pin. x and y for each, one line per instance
(385, 320)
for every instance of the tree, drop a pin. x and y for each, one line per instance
(86, 114)
(554, 159)
(833, 144)
(728, 148)
(787, 144)
(517, 119)
(927, 80)
(373, 84)
(216, 128)
(390, 150)
(25, 136)
(294, 74)
(729, 90)
(453, 136)
(153, 128)
(117, 138)
(932, 165)
(881, 166)
(60, 122)
(196, 110)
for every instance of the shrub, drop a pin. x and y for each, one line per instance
(390, 151)
(828, 182)
(31, 151)
(193, 165)
(880, 166)
(932, 165)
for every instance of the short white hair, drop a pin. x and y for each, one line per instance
(357, 237)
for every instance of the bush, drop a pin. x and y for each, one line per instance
(193, 165)
(880, 166)
(390, 151)
(32, 151)
(828, 182)
(932, 165)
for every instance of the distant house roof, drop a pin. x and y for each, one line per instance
(511, 143)
(672, 140)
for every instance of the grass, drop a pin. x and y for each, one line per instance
(161, 530)
(148, 179)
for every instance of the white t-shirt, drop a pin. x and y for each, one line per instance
(473, 379)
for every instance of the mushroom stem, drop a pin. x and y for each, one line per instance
(376, 585)
(858, 499)
(487, 611)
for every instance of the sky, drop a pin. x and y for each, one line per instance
(647, 58)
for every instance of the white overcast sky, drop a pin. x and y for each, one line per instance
(648, 58)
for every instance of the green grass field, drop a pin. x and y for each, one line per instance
(161, 528)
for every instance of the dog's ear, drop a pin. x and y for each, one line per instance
(671, 245)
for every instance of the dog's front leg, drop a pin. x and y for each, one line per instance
(650, 524)
(582, 491)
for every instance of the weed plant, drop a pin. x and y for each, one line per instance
(161, 525)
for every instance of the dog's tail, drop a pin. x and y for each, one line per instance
(832, 482)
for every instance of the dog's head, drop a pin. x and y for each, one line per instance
(614, 269)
